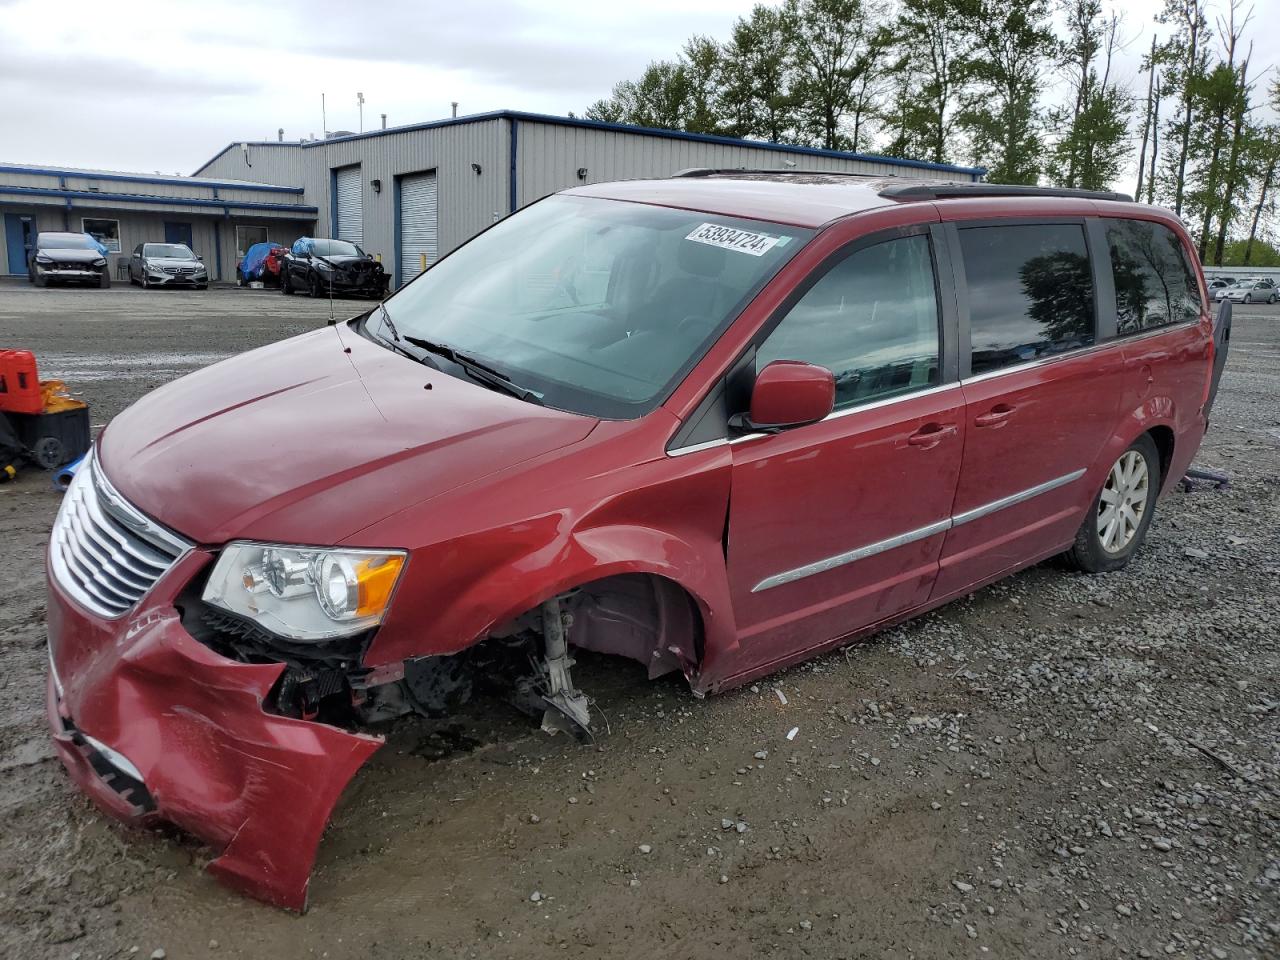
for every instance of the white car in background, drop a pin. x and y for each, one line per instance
(1255, 290)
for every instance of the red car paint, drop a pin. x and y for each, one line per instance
(331, 439)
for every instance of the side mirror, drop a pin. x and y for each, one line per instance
(200, 258)
(790, 393)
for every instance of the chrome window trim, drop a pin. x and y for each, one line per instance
(1118, 340)
(911, 536)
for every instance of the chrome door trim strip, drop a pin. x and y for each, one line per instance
(911, 536)
(861, 553)
(1015, 498)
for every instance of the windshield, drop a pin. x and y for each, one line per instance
(175, 251)
(335, 248)
(598, 306)
(71, 241)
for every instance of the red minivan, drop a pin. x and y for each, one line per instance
(716, 423)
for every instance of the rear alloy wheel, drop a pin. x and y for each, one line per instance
(1117, 523)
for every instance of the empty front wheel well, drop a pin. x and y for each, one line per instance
(1163, 437)
(645, 617)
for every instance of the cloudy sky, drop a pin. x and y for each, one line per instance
(163, 86)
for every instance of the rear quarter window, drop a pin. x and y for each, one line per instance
(1155, 283)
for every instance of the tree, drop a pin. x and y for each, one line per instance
(1267, 153)
(839, 49)
(1185, 57)
(700, 60)
(756, 78)
(927, 75)
(1153, 109)
(1091, 152)
(660, 98)
(1011, 46)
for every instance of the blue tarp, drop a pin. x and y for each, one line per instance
(303, 246)
(254, 259)
(102, 247)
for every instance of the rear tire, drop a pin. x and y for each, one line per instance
(1117, 521)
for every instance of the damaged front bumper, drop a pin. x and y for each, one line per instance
(157, 728)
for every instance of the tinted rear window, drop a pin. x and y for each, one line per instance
(1030, 292)
(1155, 285)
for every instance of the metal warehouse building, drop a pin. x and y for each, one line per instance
(418, 191)
(216, 218)
(407, 195)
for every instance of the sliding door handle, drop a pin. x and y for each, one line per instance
(994, 417)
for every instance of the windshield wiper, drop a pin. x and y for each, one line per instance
(477, 369)
(395, 343)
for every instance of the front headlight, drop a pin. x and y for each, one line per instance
(323, 267)
(305, 593)
(100, 262)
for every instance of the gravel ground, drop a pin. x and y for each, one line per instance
(1058, 765)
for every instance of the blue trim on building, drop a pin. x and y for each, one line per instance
(132, 178)
(516, 115)
(304, 212)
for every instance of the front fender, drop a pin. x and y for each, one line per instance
(663, 525)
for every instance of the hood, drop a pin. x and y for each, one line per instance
(174, 261)
(69, 254)
(349, 261)
(303, 442)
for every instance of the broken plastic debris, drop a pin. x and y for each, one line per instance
(781, 696)
(791, 734)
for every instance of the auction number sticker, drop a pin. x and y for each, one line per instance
(731, 238)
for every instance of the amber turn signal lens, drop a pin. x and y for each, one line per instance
(376, 577)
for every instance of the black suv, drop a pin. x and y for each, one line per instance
(67, 258)
(322, 267)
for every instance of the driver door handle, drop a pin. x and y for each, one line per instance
(932, 434)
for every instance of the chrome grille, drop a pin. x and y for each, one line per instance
(103, 551)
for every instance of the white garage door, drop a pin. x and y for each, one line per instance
(346, 189)
(417, 223)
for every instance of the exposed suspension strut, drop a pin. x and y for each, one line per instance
(567, 707)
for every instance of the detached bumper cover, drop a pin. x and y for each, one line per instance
(155, 727)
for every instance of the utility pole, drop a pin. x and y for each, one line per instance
(360, 104)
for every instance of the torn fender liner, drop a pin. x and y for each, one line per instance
(150, 704)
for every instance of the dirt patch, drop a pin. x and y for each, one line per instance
(1058, 765)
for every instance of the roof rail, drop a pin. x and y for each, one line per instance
(728, 171)
(942, 191)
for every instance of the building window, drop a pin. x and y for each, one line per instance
(247, 236)
(1030, 292)
(106, 232)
